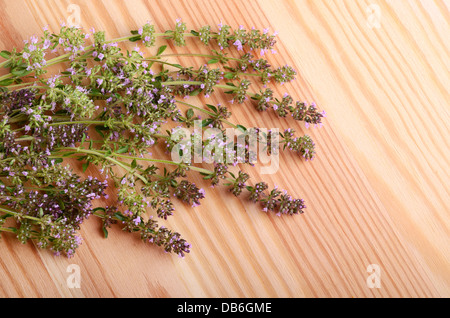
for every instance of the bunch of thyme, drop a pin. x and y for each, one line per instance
(109, 107)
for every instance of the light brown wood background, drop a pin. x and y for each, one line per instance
(377, 193)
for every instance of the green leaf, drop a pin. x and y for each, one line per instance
(212, 107)
(8, 64)
(133, 164)
(20, 70)
(85, 166)
(61, 204)
(135, 38)
(229, 75)
(119, 216)
(56, 160)
(206, 122)
(99, 130)
(122, 150)
(161, 50)
(213, 61)
(62, 112)
(6, 82)
(95, 91)
(189, 113)
(105, 232)
(241, 128)
(134, 32)
(195, 33)
(99, 209)
(195, 92)
(66, 154)
(5, 54)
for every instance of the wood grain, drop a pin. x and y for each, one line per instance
(377, 193)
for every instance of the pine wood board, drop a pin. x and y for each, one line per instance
(377, 193)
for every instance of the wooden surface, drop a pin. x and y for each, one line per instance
(377, 193)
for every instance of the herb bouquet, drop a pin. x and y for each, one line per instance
(109, 107)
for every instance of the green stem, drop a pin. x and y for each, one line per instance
(165, 63)
(89, 122)
(126, 38)
(4, 62)
(196, 107)
(169, 162)
(178, 83)
(6, 76)
(26, 138)
(207, 112)
(249, 74)
(5, 229)
(201, 55)
(17, 119)
(19, 214)
(22, 85)
(99, 154)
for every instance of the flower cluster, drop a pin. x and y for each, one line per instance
(220, 171)
(304, 146)
(189, 192)
(226, 37)
(147, 33)
(274, 200)
(19, 100)
(309, 114)
(64, 135)
(209, 79)
(264, 100)
(169, 240)
(284, 74)
(178, 33)
(240, 91)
